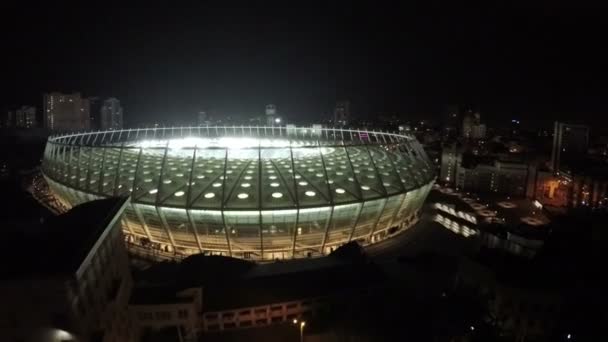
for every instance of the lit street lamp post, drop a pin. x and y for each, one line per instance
(302, 325)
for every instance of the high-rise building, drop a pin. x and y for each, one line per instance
(111, 114)
(65, 112)
(342, 113)
(452, 117)
(202, 118)
(472, 128)
(502, 177)
(484, 175)
(570, 145)
(467, 125)
(95, 104)
(7, 118)
(450, 161)
(271, 115)
(515, 127)
(478, 131)
(25, 117)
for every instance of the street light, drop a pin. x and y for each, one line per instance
(62, 335)
(302, 325)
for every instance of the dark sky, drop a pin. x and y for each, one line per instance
(533, 63)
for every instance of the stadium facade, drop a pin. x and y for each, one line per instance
(258, 193)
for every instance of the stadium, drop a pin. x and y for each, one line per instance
(259, 193)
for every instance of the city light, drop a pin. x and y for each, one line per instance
(62, 335)
(301, 325)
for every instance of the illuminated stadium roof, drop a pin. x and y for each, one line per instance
(244, 184)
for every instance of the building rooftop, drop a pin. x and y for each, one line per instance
(231, 283)
(59, 245)
(337, 279)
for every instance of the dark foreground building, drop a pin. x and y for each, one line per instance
(71, 281)
(75, 283)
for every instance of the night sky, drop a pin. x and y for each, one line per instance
(536, 64)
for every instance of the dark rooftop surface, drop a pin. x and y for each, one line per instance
(230, 283)
(59, 245)
(338, 279)
(293, 266)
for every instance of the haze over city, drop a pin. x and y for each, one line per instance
(167, 63)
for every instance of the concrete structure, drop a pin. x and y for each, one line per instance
(25, 117)
(271, 115)
(111, 115)
(156, 308)
(7, 118)
(451, 158)
(214, 293)
(570, 145)
(451, 120)
(514, 128)
(95, 104)
(248, 192)
(22, 117)
(76, 284)
(342, 113)
(472, 128)
(478, 131)
(484, 175)
(66, 112)
(467, 125)
(509, 178)
(202, 119)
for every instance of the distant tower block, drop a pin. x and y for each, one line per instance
(271, 113)
(342, 113)
(202, 118)
(271, 109)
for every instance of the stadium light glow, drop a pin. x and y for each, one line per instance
(248, 192)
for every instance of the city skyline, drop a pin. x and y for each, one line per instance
(303, 60)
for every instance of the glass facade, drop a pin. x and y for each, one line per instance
(250, 192)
